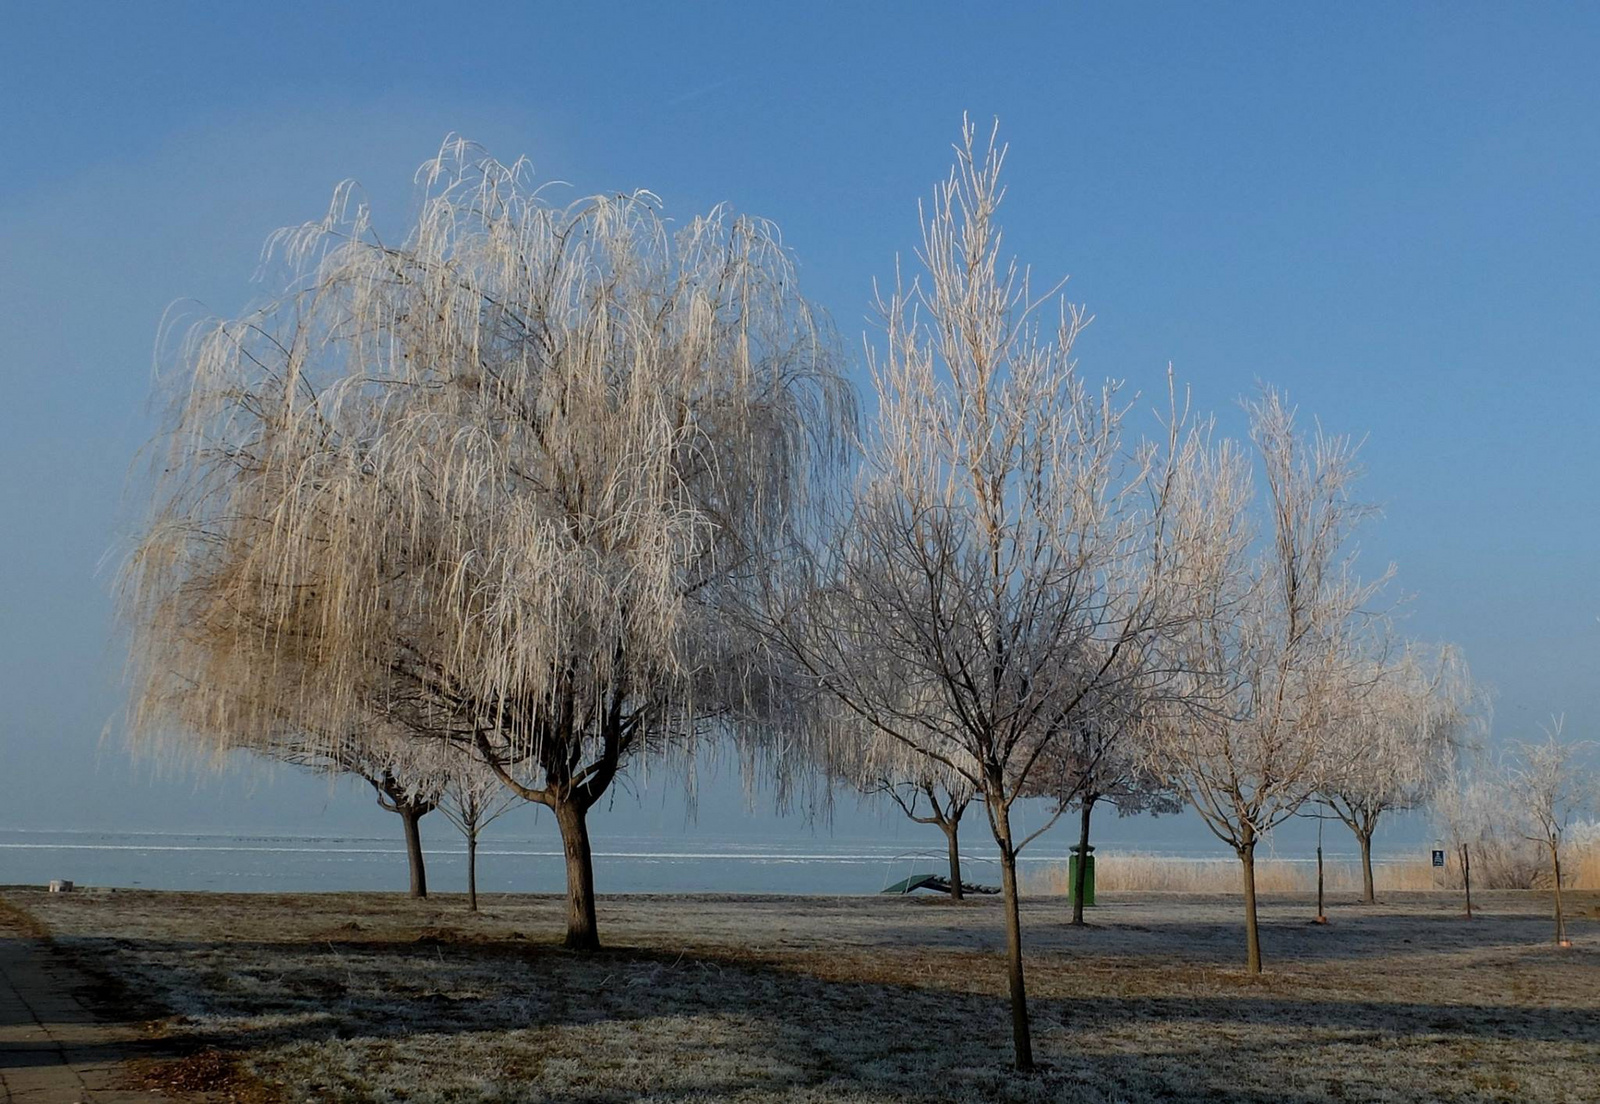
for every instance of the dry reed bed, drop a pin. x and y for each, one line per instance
(377, 998)
(1132, 872)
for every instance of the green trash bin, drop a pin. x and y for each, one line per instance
(1088, 878)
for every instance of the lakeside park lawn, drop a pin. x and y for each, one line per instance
(375, 997)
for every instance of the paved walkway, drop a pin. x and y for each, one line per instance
(53, 1048)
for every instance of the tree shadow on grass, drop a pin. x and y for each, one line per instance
(66, 1010)
(763, 1021)
(1287, 937)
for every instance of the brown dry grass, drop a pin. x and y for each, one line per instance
(1582, 866)
(209, 1074)
(1134, 873)
(371, 997)
(1131, 872)
(22, 920)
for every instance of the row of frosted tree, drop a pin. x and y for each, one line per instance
(540, 494)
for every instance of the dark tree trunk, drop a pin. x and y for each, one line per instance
(1252, 934)
(1364, 836)
(472, 871)
(1321, 915)
(1561, 919)
(1466, 876)
(411, 816)
(953, 844)
(1021, 1034)
(582, 932)
(1081, 882)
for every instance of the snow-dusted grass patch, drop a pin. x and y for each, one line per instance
(370, 997)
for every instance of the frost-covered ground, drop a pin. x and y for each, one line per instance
(374, 997)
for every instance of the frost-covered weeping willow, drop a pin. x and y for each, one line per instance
(502, 482)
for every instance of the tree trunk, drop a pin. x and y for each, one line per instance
(411, 817)
(951, 828)
(1561, 920)
(472, 871)
(1321, 915)
(1021, 1034)
(1081, 882)
(1466, 876)
(1252, 934)
(1365, 838)
(582, 932)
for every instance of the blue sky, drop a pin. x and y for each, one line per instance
(1388, 210)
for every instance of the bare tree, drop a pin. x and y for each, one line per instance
(473, 797)
(1106, 764)
(411, 804)
(1463, 807)
(406, 777)
(503, 484)
(1552, 791)
(1405, 730)
(1274, 651)
(924, 789)
(1502, 855)
(998, 567)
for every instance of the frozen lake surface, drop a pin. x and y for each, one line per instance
(802, 864)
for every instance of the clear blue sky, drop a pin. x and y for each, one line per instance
(1391, 210)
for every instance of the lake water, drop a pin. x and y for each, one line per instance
(623, 864)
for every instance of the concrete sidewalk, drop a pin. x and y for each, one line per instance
(53, 1048)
